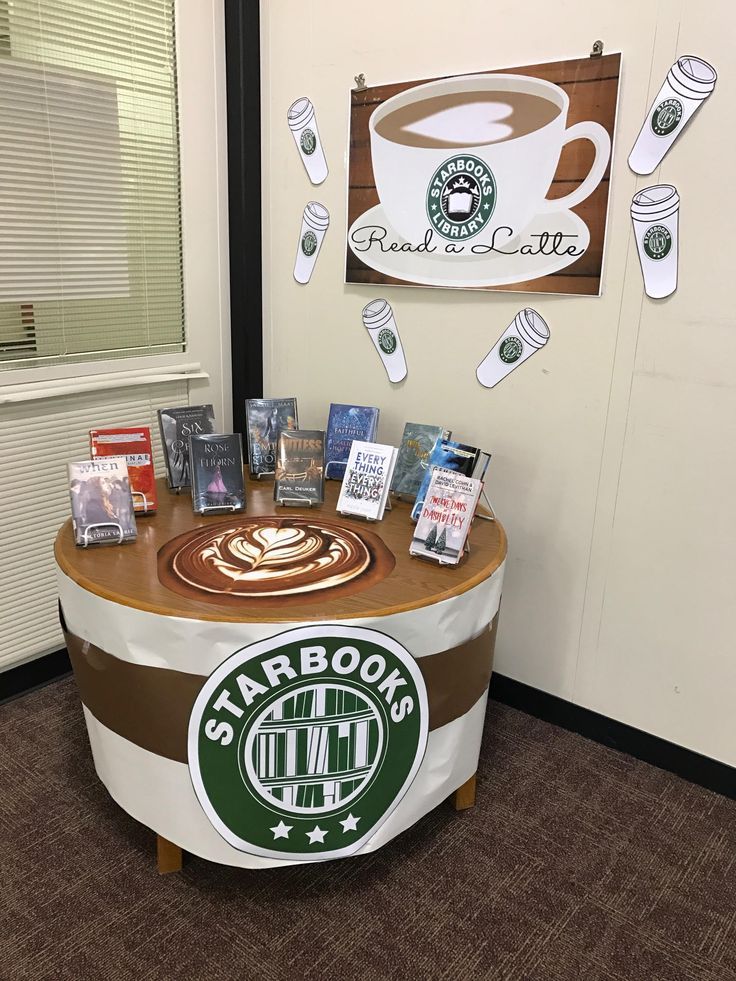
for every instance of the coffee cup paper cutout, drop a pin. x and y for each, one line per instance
(688, 84)
(526, 334)
(463, 167)
(302, 121)
(378, 318)
(315, 222)
(655, 213)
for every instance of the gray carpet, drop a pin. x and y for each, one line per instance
(577, 863)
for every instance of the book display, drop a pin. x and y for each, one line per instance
(134, 443)
(300, 467)
(217, 473)
(412, 461)
(346, 423)
(177, 425)
(102, 503)
(265, 419)
(367, 481)
(446, 515)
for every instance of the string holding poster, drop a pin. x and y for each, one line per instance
(496, 180)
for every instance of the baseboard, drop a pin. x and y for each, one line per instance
(702, 770)
(691, 766)
(33, 674)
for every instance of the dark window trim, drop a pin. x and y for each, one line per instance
(243, 79)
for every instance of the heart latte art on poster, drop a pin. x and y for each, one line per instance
(272, 557)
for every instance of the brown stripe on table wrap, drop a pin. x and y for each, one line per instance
(151, 706)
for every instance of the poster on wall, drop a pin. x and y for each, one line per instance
(497, 180)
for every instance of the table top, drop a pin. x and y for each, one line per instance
(311, 563)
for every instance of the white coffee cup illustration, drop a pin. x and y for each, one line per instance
(378, 318)
(655, 214)
(315, 222)
(688, 84)
(303, 125)
(467, 155)
(524, 336)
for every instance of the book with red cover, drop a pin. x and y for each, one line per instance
(134, 443)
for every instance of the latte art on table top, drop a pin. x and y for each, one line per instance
(269, 557)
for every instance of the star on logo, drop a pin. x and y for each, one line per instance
(434, 207)
(281, 830)
(486, 206)
(317, 834)
(349, 824)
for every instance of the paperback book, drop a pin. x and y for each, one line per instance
(451, 456)
(134, 443)
(265, 419)
(412, 461)
(365, 487)
(217, 473)
(346, 423)
(300, 467)
(177, 425)
(446, 516)
(102, 503)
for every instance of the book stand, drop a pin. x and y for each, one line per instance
(439, 559)
(297, 502)
(218, 507)
(143, 498)
(102, 524)
(364, 517)
(261, 473)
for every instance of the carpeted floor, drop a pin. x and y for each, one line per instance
(577, 863)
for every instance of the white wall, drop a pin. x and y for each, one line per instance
(613, 448)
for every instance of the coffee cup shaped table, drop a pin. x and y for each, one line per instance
(467, 155)
(269, 689)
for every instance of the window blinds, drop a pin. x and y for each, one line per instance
(90, 214)
(40, 438)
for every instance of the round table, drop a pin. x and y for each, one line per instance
(281, 685)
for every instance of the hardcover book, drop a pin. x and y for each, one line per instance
(367, 480)
(265, 419)
(177, 425)
(417, 443)
(346, 423)
(451, 456)
(300, 467)
(217, 473)
(102, 504)
(446, 516)
(134, 443)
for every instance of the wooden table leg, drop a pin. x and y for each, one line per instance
(464, 797)
(169, 856)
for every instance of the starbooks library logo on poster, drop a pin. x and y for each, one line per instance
(666, 117)
(657, 242)
(300, 746)
(461, 197)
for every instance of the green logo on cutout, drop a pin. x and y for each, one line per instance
(308, 142)
(511, 349)
(657, 241)
(666, 117)
(387, 340)
(309, 243)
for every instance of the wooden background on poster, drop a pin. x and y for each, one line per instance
(592, 85)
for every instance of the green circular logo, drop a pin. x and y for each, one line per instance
(461, 197)
(309, 243)
(387, 340)
(511, 349)
(308, 142)
(666, 117)
(300, 746)
(657, 241)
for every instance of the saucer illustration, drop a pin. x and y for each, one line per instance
(518, 260)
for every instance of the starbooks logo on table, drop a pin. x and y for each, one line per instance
(300, 746)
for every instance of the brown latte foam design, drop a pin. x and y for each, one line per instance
(261, 558)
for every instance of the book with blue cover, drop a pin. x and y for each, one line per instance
(450, 456)
(417, 443)
(346, 423)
